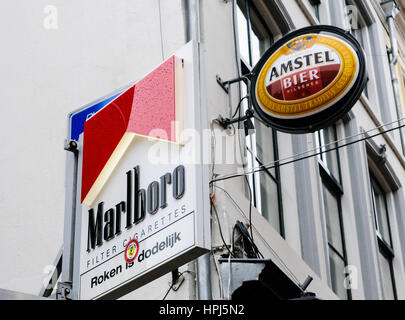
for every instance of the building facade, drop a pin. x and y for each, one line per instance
(315, 208)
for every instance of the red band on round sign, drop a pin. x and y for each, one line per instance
(130, 244)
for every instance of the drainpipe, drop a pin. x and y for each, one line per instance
(192, 20)
(203, 265)
(391, 10)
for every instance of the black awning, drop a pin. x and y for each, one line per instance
(253, 279)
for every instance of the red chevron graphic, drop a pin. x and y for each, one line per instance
(149, 104)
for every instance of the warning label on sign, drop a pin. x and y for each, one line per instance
(138, 258)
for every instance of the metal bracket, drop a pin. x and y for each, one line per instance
(306, 283)
(226, 84)
(70, 146)
(177, 280)
(226, 122)
(52, 277)
(64, 290)
(382, 153)
(178, 283)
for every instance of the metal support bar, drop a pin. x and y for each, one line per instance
(70, 209)
(225, 123)
(306, 283)
(204, 277)
(71, 146)
(226, 84)
(53, 276)
(177, 279)
(64, 290)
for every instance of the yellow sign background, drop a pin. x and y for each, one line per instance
(321, 99)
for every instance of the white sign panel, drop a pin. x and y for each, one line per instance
(143, 202)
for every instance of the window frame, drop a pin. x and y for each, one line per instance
(381, 171)
(361, 32)
(315, 4)
(253, 158)
(373, 180)
(336, 189)
(383, 247)
(386, 252)
(323, 150)
(334, 185)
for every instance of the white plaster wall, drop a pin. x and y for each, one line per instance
(99, 46)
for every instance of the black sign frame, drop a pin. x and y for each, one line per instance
(325, 118)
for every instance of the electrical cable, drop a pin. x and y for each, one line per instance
(171, 287)
(273, 165)
(230, 271)
(219, 227)
(240, 209)
(219, 276)
(332, 142)
(263, 240)
(325, 146)
(312, 155)
(237, 62)
(229, 196)
(249, 187)
(249, 102)
(243, 164)
(238, 110)
(250, 244)
(174, 282)
(212, 191)
(233, 240)
(239, 105)
(225, 177)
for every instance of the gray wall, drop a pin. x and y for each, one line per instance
(101, 45)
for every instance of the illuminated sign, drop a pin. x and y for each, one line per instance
(309, 79)
(138, 218)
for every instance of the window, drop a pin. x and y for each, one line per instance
(315, 5)
(380, 212)
(357, 26)
(337, 255)
(254, 36)
(254, 39)
(325, 140)
(335, 234)
(383, 232)
(332, 191)
(387, 274)
(355, 22)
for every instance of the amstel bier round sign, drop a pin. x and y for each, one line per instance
(309, 79)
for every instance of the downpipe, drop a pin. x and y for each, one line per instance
(203, 265)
